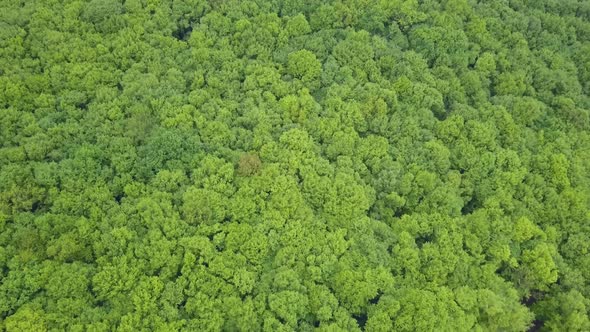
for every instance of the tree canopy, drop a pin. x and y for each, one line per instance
(342, 165)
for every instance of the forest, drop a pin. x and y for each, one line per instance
(293, 165)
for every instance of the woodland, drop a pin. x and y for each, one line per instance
(292, 165)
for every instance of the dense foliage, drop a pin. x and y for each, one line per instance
(294, 165)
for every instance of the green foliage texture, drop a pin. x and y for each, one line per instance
(290, 165)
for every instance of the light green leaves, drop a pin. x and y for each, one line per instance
(304, 65)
